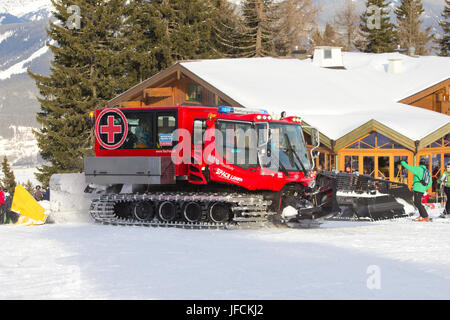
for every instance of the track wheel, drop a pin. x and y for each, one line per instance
(167, 211)
(123, 209)
(219, 213)
(192, 212)
(143, 211)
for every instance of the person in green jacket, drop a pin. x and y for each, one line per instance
(418, 188)
(444, 181)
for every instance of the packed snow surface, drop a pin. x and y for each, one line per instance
(339, 260)
(75, 258)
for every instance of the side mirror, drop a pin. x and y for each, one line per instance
(315, 138)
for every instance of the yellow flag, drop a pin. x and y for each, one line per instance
(25, 205)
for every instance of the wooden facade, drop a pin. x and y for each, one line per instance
(173, 87)
(372, 148)
(435, 98)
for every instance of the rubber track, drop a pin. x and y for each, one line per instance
(253, 210)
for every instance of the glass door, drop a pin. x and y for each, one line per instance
(351, 164)
(435, 170)
(383, 171)
(369, 166)
(400, 173)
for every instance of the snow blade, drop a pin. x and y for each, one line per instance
(376, 208)
(361, 196)
(323, 201)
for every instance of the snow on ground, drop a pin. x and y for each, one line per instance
(75, 258)
(335, 261)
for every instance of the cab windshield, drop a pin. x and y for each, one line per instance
(287, 146)
(249, 145)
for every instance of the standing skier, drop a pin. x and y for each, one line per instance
(444, 182)
(418, 188)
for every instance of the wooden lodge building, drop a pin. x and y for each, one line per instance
(373, 110)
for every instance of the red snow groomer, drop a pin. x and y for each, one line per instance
(204, 167)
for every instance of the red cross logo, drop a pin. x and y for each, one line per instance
(110, 129)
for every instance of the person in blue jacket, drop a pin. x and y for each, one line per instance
(418, 188)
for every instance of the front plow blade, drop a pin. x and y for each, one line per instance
(364, 197)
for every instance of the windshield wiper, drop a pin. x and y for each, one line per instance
(289, 148)
(282, 167)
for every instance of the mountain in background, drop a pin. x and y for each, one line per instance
(23, 40)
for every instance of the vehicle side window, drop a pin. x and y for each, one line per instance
(236, 143)
(198, 137)
(166, 125)
(139, 130)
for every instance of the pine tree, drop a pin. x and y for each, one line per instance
(444, 43)
(326, 38)
(377, 30)
(227, 29)
(29, 187)
(409, 24)
(88, 69)
(190, 27)
(147, 46)
(8, 181)
(258, 36)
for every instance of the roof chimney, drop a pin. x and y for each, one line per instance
(328, 57)
(395, 65)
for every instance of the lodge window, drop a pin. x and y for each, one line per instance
(440, 143)
(327, 54)
(352, 162)
(373, 141)
(377, 156)
(194, 92)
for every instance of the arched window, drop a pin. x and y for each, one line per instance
(376, 155)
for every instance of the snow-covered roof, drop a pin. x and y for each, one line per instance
(335, 101)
